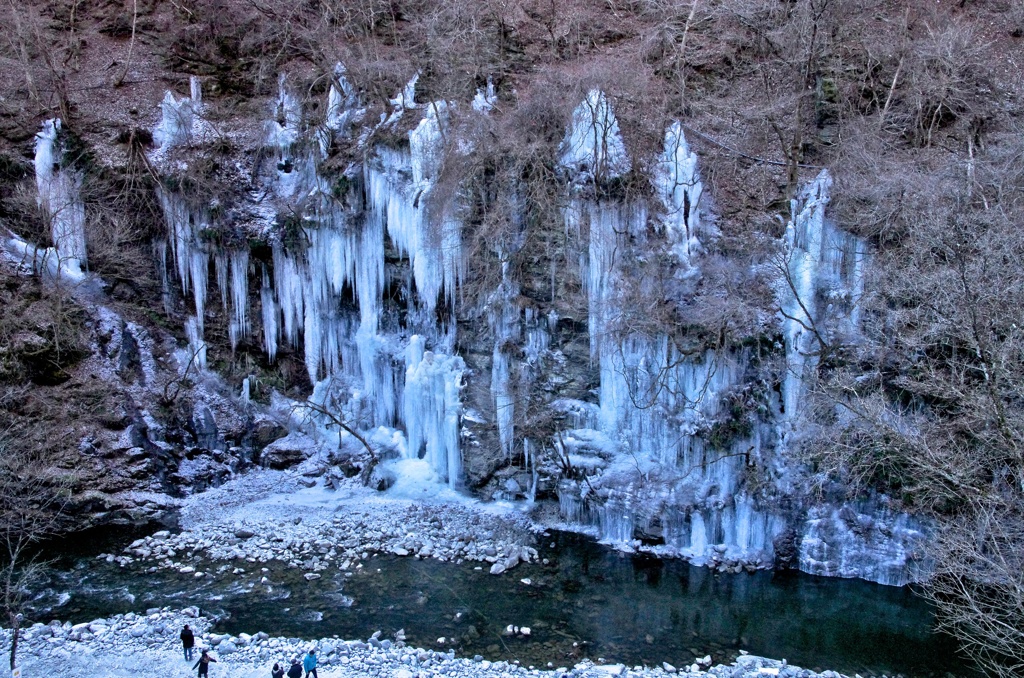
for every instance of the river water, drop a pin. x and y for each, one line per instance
(589, 601)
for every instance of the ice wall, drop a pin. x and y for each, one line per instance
(651, 468)
(680, 190)
(433, 409)
(667, 452)
(864, 539)
(322, 291)
(180, 120)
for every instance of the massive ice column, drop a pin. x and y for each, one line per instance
(433, 409)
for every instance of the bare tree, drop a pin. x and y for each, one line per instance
(32, 498)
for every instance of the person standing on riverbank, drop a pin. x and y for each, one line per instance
(204, 664)
(309, 663)
(277, 671)
(188, 641)
(295, 670)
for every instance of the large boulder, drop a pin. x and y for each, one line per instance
(289, 451)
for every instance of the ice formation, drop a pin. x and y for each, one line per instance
(823, 280)
(679, 189)
(485, 99)
(593, 144)
(432, 409)
(671, 439)
(60, 200)
(325, 296)
(179, 121)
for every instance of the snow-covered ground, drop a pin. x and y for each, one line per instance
(275, 515)
(143, 646)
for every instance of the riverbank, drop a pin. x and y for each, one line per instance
(276, 550)
(273, 515)
(148, 645)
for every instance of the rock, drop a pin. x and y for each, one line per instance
(227, 647)
(498, 568)
(668, 667)
(243, 533)
(381, 479)
(310, 576)
(289, 451)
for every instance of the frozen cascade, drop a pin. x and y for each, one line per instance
(825, 267)
(433, 245)
(650, 443)
(503, 317)
(196, 343)
(192, 262)
(343, 107)
(679, 189)
(270, 314)
(60, 199)
(433, 409)
(657, 406)
(238, 328)
(593, 144)
(180, 120)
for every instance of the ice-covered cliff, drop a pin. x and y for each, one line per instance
(677, 443)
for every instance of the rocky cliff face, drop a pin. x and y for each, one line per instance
(562, 375)
(513, 274)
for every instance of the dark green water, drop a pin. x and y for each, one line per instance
(589, 602)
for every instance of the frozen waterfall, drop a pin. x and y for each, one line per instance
(60, 200)
(433, 409)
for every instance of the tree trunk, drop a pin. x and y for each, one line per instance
(15, 626)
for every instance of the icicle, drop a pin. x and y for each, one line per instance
(160, 250)
(804, 237)
(198, 266)
(271, 328)
(238, 327)
(433, 245)
(220, 268)
(196, 343)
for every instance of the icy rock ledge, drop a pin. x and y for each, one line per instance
(148, 645)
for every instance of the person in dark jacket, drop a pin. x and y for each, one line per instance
(277, 671)
(204, 664)
(295, 670)
(188, 641)
(309, 664)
